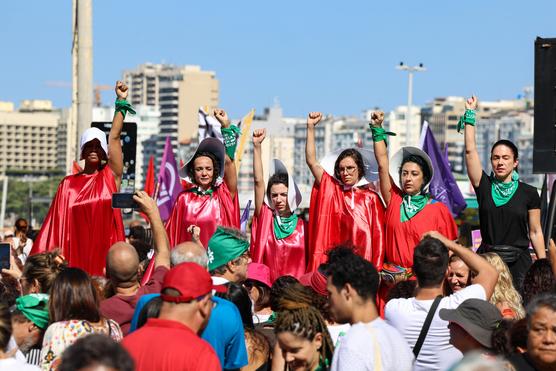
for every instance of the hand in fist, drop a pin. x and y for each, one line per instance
(222, 117)
(377, 118)
(314, 118)
(121, 90)
(258, 136)
(471, 103)
(195, 233)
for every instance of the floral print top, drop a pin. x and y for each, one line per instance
(61, 335)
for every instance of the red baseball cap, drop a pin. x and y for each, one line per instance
(191, 281)
(315, 280)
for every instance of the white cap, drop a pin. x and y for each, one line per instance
(370, 165)
(210, 145)
(403, 153)
(294, 194)
(91, 134)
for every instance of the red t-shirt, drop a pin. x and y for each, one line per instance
(121, 308)
(169, 345)
(401, 238)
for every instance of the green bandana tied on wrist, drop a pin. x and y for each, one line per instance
(284, 226)
(502, 192)
(124, 107)
(35, 308)
(230, 135)
(225, 246)
(411, 205)
(468, 118)
(379, 134)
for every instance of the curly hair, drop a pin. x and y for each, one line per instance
(538, 279)
(356, 156)
(215, 166)
(278, 178)
(44, 268)
(296, 314)
(277, 288)
(96, 350)
(504, 291)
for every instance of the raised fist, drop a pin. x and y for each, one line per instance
(121, 90)
(471, 103)
(377, 118)
(222, 117)
(314, 118)
(195, 232)
(258, 136)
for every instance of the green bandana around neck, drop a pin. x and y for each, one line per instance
(124, 107)
(35, 308)
(223, 247)
(230, 135)
(502, 192)
(411, 205)
(284, 226)
(201, 192)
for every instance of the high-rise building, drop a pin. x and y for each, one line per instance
(396, 121)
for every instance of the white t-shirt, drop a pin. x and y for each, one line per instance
(408, 316)
(13, 364)
(372, 346)
(337, 332)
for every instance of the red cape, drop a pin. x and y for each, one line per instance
(283, 257)
(206, 212)
(353, 217)
(81, 221)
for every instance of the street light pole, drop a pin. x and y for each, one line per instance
(410, 70)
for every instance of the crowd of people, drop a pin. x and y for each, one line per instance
(375, 280)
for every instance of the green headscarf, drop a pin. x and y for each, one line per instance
(35, 308)
(502, 192)
(225, 246)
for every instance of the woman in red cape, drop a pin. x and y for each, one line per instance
(410, 209)
(81, 220)
(210, 198)
(277, 234)
(344, 209)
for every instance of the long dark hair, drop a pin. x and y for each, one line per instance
(356, 156)
(73, 296)
(215, 166)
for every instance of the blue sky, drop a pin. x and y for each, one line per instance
(334, 56)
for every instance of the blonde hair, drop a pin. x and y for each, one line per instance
(504, 291)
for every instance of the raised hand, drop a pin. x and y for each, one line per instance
(121, 90)
(146, 203)
(222, 117)
(258, 136)
(377, 118)
(195, 232)
(314, 118)
(471, 103)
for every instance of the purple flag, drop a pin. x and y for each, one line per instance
(443, 186)
(169, 182)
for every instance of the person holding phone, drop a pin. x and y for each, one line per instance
(81, 220)
(210, 199)
(21, 243)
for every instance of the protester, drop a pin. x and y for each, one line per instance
(277, 234)
(541, 336)
(301, 332)
(505, 296)
(29, 322)
(430, 264)
(7, 359)
(258, 284)
(20, 242)
(509, 210)
(73, 309)
(344, 209)
(147, 307)
(122, 268)
(81, 220)
(171, 341)
(410, 209)
(459, 275)
(471, 325)
(402, 289)
(228, 255)
(98, 351)
(210, 199)
(538, 280)
(371, 343)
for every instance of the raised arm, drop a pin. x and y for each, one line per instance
(381, 155)
(310, 151)
(472, 161)
(486, 276)
(535, 232)
(160, 238)
(115, 155)
(258, 137)
(230, 171)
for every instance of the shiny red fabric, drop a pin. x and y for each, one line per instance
(81, 221)
(283, 257)
(333, 221)
(206, 212)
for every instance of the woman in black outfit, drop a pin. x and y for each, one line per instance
(509, 210)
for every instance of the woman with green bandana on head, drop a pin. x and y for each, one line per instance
(410, 209)
(509, 210)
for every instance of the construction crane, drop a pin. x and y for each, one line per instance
(67, 85)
